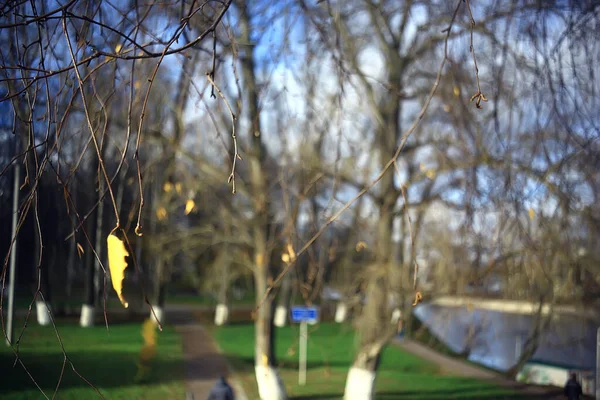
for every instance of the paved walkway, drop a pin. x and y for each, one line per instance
(204, 363)
(453, 366)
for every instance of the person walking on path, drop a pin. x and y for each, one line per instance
(221, 391)
(573, 389)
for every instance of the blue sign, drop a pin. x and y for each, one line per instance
(305, 314)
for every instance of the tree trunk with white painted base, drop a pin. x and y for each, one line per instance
(222, 310)
(42, 313)
(86, 318)
(360, 384)
(341, 312)
(221, 314)
(157, 313)
(280, 316)
(270, 386)
(93, 231)
(374, 330)
(396, 315)
(285, 294)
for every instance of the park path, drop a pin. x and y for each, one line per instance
(453, 366)
(204, 363)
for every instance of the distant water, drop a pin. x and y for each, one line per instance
(570, 340)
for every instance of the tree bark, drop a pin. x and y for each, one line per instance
(270, 385)
(283, 301)
(540, 324)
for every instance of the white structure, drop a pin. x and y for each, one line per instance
(158, 314)
(42, 312)
(341, 312)
(270, 386)
(221, 314)
(554, 375)
(396, 315)
(86, 319)
(360, 384)
(280, 316)
(508, 306)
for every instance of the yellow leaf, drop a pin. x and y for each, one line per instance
(189, 206)
(531, 214)
(360, 246)
(167, 187)
(285, 258)
(447, 108)
(137, 85)
(117, 264)
(456, 91)
(118, 48)
(161, 213)
(178, 188)
(430, 173)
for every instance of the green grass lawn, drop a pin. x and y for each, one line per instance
(107, 359)
(331, 350)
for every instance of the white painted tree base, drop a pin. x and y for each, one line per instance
(42, 313)
(280, 316)
(396, 315)
(341, 312)
(221, 314)
(158, 314)
(270, 386)
(360, 384)
(86, 319)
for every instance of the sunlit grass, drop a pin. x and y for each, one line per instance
(331, 350)
(107, 359)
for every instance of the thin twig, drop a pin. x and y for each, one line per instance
(478, 97)
(236, 154)
(387, 166)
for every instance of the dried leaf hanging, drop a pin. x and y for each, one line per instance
(117, 264)
(531, 214)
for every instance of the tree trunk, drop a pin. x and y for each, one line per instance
(88, 307)
(270, 386)
(374, 324)
(12, 282)
(71, 258)
(222, 310)
(269, 383)
(42, 303)
(283, 302)
(160, 291)
(374, 330)
(540, 325)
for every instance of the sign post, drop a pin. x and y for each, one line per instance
(302, 353)
(304, 316)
